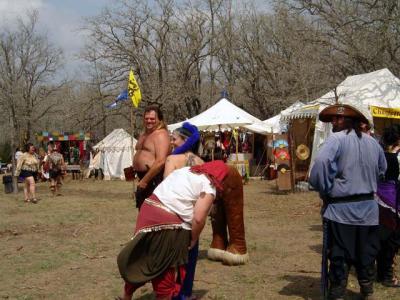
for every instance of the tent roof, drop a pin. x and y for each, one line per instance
(275, 122)
(117, 140)
(379, 88)
(223, 115)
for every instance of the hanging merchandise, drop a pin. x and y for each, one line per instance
(209, 142)
(283, 168)
(302, 152)
(226, 140)
(235, 133)
(280, 144)
(281, 154)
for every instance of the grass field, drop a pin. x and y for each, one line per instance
(66, 247)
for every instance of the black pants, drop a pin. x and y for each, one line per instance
(390, 243)
(142, 194)
(351, 245)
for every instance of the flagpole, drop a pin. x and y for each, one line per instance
(136, 96)
(132, 137)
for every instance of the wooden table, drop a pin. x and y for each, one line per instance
(73, 167)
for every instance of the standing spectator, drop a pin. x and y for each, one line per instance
(27, 168)
(74, 160)
(346, 172)
(389, 227)
(152, 149)
(18, 154)
(56, 167)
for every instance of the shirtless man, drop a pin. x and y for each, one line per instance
(152, 150)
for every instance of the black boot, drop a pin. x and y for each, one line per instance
(337, 290)
(384, 261)
(338, 274)
(367, 289)
(366, 281)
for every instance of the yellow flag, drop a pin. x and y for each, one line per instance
(134, 90)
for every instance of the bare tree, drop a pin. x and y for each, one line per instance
(28, 64)
(363, 34)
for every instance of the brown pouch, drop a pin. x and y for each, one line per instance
(129, 173)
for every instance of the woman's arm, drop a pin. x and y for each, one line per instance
(169, 165)
(20, 162)
(201, 210)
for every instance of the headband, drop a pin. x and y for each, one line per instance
(192, 135)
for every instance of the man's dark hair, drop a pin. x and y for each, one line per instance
(155, 108)
(353, 124)
(27, 146)
(51, 143)
(390, 137)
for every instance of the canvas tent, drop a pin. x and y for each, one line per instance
(224, 115)
(276, 123)
(116, 151)
(379, 89)
(371, 93)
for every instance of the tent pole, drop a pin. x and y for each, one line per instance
(237, 145)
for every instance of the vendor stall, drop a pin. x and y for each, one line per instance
(375, 94)
(228, 134)
(72, 146)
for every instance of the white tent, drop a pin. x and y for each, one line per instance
(224, 115)
(276, 124)
(117, 151)
(379, 88)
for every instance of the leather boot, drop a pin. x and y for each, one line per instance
(218, 224)
(233, 203)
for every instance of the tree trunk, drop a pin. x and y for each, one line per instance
(13, 162)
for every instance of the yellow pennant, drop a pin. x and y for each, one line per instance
(134, 90)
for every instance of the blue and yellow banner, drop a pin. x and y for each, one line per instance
(134, 90)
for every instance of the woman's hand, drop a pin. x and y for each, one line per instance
(192, 244)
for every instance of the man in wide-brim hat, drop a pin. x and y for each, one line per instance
(345, 172)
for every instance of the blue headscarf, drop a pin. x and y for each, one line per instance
(192, 135)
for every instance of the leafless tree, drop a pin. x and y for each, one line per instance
(28, 65)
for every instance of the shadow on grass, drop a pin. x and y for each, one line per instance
(200, 294)
(308, 288)
(147, 296)
(316, 248)
(202, 255)
(315, 227)
(302, 286)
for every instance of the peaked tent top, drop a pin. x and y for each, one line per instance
(117, 140)
(275, 122)
(222, 115)
(379, 88)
